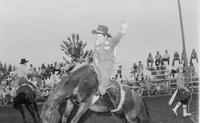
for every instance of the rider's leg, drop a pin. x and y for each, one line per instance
(104, 82)
(104, 71)
(68, 109)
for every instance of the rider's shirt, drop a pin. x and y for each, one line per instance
(104, 49)
(104, 57)
(22, 71)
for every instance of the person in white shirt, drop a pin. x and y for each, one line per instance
(166, 57)
(150, 60)
(22, 73)
(158, 59)
(193, 56)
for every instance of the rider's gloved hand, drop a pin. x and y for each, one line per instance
(124, 26)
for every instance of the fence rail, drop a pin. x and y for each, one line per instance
(158, 87)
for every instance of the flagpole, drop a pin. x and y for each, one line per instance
(183, 42)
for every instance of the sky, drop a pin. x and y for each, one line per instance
(34, 29)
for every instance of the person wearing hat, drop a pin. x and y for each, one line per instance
(22, 72)
(182, 95)
(119, 72)
(104, 58)
(140, 69)
(134, 69)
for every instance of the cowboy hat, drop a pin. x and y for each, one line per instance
(101, 29)
(23, 61)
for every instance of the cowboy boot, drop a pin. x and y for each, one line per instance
(185, 113)
(176, 107)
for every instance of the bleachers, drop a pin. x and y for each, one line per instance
(162, 84)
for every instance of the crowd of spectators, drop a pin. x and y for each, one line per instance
(44, 72)
(160, 64)
(161, 70)
(159, 60)
(39, 75)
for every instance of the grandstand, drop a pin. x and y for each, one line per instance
(160, 83)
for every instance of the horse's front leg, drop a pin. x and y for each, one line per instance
(68, 109)
(83, 107)
(21, 109)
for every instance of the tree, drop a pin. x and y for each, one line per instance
(73, 47)
(9, 68)
(3, 67)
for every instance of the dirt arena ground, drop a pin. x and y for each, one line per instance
(159, 111)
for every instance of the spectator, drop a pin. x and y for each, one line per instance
(35, 72)
(31, 68)
(192, 69)
(140, 69)
(43, 67)
(193, 56)
(158, 59)
(134, 69)
(119, 73)
(150, 60)
(52, 69)
(48, 72)
(172, 71)
(166, 57)
(176, 58)
(90, 60)
(39, 71)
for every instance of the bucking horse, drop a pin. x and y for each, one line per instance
(80, 87)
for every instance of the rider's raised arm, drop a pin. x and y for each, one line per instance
(116, 38)
(123, 28)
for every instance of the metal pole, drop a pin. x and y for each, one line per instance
(183, 42)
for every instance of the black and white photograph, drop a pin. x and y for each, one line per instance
(99, 61)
